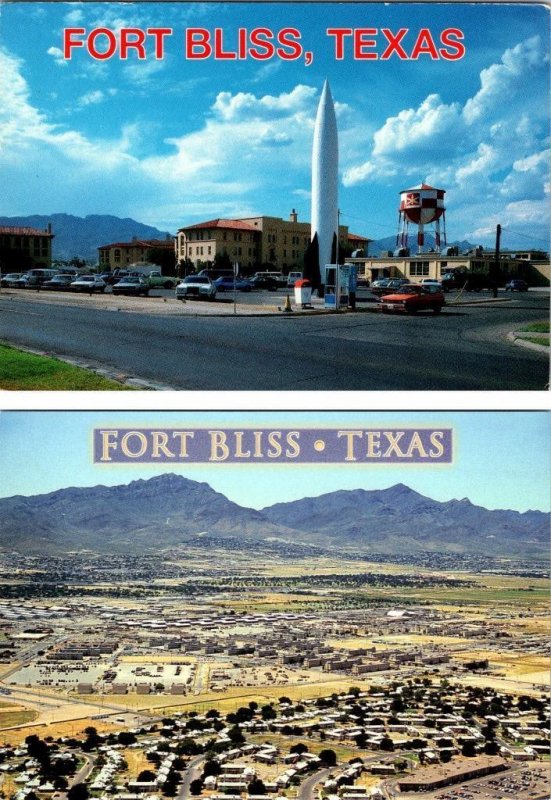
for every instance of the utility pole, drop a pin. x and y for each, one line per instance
(495, 270)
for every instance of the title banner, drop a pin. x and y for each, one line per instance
(269, 445)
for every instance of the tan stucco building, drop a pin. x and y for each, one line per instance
(122, 254)
(435, 265)
(252, 241)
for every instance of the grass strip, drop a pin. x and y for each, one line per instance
(536, 327)
(536, 340)
(21, 371)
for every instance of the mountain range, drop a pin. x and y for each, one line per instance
(81, 236)
(169, 510)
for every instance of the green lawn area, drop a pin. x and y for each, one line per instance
(537, 327)
(536, 340)
(20, 371)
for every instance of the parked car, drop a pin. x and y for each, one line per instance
(264, 282)
(196, 286)
(10, 278)
(292, 278)
(215, 273)
(379, 283)
(59, 282)
(38, 276)
(22, 282)
(157, 280)
(88, 283)
(278, 277)
(133, 284)
(413, 297)
(430, 282)
(227, 284)
(115, 276)
(154, 278)
(390, 285)
(516, 285)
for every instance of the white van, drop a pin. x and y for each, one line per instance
(292, 278)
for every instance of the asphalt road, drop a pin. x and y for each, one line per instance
(464, 348)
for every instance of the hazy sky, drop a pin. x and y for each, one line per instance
(502, 459)
(173, 141)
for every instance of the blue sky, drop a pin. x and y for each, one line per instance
(171, 142)
(502, 459)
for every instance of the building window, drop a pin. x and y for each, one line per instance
(117, 256)
(419, 268)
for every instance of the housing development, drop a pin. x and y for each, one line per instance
(273, 674)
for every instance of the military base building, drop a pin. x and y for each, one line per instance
(253, 241)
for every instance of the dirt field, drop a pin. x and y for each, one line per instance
(515, 666)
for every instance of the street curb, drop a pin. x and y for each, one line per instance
(516, 337)
(482, 302)
(104, 372)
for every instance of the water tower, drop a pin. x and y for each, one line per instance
(421, 205)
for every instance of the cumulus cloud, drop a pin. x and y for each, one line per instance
(57, 55)
(496, 82)
(243, 105)
(412, 128)
(22, 126)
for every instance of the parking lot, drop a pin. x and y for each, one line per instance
(163, 301)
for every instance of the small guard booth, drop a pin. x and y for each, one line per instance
(303, 293)
(338, 279)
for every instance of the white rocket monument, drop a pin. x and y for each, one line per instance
(325, 166)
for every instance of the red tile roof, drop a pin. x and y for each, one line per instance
(355, 237)
(231, 224)
(18, 231)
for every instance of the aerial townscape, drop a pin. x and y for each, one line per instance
(159, 640)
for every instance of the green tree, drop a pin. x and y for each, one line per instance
(468, 750)
(328, 758)
(235, 735)
(211, 767)
(146, 776)
(257, 786)
(222, 261)
(78, 792)
(268, 712)
(196, 786)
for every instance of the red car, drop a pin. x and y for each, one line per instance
(412, 298)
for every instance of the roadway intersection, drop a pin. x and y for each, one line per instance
(464, 348)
